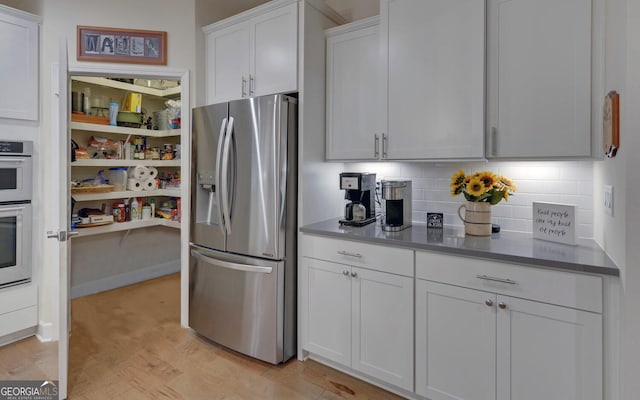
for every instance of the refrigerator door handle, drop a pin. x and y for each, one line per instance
(230, 265)
(218, 188)
(225, 177)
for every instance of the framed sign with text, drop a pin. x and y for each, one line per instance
(121, 45)
(554, 222)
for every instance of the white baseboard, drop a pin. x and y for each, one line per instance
(125, 279)
(45, 332)
(14, 337)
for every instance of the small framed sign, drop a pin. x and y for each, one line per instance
(121, 45)
(554, 222)
(435, 220)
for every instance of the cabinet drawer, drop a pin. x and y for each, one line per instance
(17, 297)
(376, 257)
(555, 287)
(18, 320)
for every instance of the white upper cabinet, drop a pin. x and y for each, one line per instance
(540, 78)
(435, 76)
(354, 91)
(274, 52)
(253, 54)
(228, 63)
(19, 64)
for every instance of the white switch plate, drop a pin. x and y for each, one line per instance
(608, 199)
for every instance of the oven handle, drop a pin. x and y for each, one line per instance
(2, 209)
(12, 160)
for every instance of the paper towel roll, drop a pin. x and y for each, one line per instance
(150, 184)
(134, 184)
(139, 172)
(153, 172)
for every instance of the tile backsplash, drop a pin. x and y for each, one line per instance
(567, 182)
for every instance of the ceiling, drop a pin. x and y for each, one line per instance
(351, 10)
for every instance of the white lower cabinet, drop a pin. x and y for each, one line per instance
(482, 344)
(327, 310)
(359, 318)
(455, 342)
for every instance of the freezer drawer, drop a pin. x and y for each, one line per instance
(238, 302)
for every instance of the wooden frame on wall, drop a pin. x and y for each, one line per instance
(121, 45)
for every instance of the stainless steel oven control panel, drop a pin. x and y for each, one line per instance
(16, 148)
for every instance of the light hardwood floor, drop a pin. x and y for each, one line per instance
(128, 344)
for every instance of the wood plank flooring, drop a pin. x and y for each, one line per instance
(128, 344)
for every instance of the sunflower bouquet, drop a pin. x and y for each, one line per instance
(482, 186)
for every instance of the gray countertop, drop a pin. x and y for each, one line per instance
(515, 247)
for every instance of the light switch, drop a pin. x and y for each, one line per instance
(608, 199)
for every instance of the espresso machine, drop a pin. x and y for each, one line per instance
(397, 202)
(360, 190)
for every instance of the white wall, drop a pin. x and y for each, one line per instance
(630, 140)
(567, 182)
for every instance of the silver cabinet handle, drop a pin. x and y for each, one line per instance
(354, 274)
(494, 136)
(384, 145)
(376, 146)
(252, 84)
(13, 160)
(488, 302)
(494, 279)
(345, 273)
(244, 86)
(502, 305)
(346, 253)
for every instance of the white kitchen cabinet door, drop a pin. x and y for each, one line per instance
(539, 80)
(326, 310)
(354, 91)
(383, 326)
(435, 77)
(548, 352)
(228, 65)
(274, 52)
(455, 343)
(19, 65)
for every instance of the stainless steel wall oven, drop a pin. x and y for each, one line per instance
(16, 181)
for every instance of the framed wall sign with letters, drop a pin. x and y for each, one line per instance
(121, 45)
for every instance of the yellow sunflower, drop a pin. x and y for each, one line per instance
(475, 187)
(507, 183)
(456, 190)
(487, 178)
(457, 179)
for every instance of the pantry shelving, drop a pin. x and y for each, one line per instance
(82, 132)
(110, 83)
(125, 163)
(121, 130)
(129, 225)
(126, 194)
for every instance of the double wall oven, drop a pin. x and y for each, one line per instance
(16, 176)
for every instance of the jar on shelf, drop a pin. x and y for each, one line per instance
(118, 178)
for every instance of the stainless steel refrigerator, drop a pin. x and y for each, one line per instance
(243, 226)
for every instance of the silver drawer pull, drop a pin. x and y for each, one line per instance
(501, 280)
(346, 253)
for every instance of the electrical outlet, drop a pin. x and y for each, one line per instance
(608, 199)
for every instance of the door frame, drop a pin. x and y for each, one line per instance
(129, 71)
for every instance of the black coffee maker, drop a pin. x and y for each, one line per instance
(359, 189)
